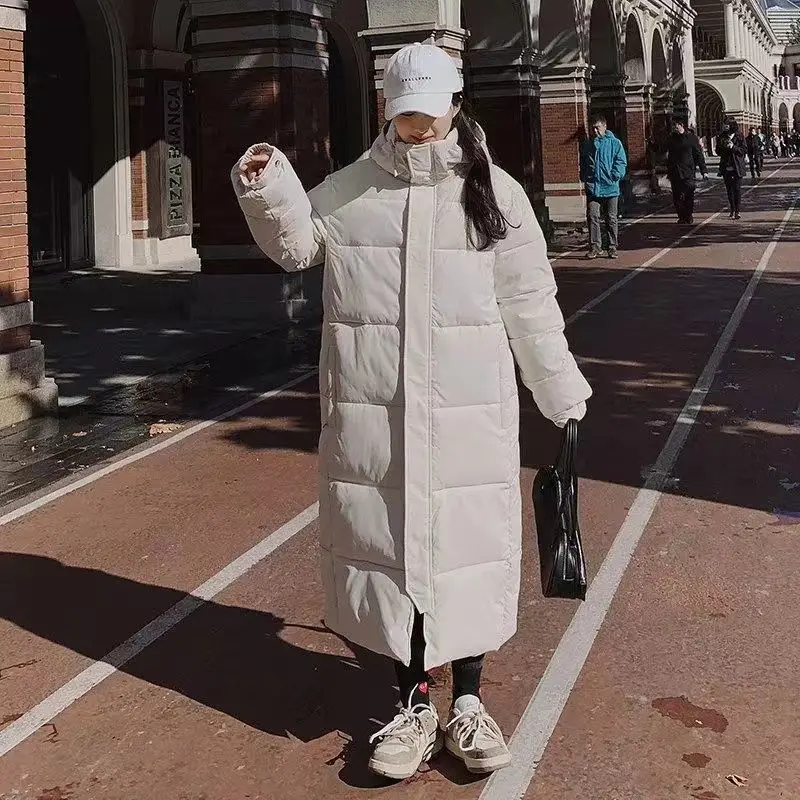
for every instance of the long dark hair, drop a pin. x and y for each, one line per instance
(487, 223)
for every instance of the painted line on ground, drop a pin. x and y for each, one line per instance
(615, 287)
(538, 722)
(122, 461)
(41, 714)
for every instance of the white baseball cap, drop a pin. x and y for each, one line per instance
(420, 79)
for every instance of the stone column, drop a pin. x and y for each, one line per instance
(161, 123)
(687, 60)
(564, 94)
(24, 391)
(638, 112)
(730, 29)
(503, 88)
(260, 76)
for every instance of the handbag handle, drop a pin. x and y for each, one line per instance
(565, 467)
(569, 450)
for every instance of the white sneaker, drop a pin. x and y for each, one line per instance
(410, 739)
(475, 738)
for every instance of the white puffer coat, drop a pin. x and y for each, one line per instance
(419, 458)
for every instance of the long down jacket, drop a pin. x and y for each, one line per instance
(419, 460)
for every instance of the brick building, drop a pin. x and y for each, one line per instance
(120, 119)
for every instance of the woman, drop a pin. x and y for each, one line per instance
(731, 148)
(436, 271)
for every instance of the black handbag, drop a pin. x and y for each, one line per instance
(555, 504)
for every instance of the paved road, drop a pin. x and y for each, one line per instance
(680, 670)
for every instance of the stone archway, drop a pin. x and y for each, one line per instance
(638, 107)
(662, 89)
(710, 113)
(108, 192)
(606, 93)
(680, 92)
(783, 118)
(348, 96)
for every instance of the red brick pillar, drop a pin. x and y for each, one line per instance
(638, 113)
(564, 111)
(257, 77)
(504, 94)
(24, 391)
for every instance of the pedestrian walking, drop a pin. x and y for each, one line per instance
(684, 159)
(731, 149)
(776, 144)
(603, 165)
(436, 281)
(755, 153)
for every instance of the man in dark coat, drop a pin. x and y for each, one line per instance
(684, 159)
(731, 149)
(755, 153)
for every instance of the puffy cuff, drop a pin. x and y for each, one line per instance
(240, 183)
(577, 412)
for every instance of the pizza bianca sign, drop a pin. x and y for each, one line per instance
(174, 164)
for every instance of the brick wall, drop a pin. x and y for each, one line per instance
(13, 193)
(637, 139)
(138, 145)
(563, 130)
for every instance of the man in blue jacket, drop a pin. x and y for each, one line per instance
(603, 166)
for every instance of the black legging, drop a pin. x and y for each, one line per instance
(733, 183)
(466, 671)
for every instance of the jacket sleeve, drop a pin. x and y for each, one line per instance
(526, 294)
(585, 163)
(279, 214)
(620, 166)
(699, 158)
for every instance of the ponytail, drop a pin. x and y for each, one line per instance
(485, 220)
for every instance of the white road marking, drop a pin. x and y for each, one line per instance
(541, 716)
(72, 485)
(30, 722)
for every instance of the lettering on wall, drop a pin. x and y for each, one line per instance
(175, 183)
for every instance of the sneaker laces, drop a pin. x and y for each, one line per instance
(470, 724)
(404, 726)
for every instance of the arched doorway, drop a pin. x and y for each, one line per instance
(606, 95)
(662, 94)
(680, 94)
(710, 113)
(796, 117)
(634, 53)
(783, 118)
(76, 73)
(347, 97)
(59, 138)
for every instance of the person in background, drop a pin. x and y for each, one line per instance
(731, 148)
(684, 159)
(603, 165)
(776, 144)
(755, 153)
